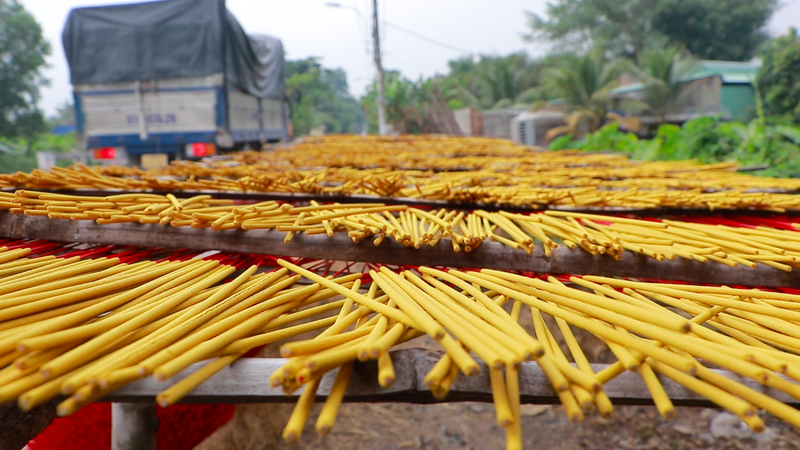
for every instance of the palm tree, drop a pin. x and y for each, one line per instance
(492, 81)
(661, 72)
(505, 78)
(584, 84)
(412, 107)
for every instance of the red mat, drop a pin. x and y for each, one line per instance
(181, 427)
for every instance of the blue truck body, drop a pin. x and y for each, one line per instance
(142, 83)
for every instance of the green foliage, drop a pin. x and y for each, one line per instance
(320, 98)
(65, 115)
(483, 83)
(23, 151)
(620, 27)
(584, 83)
(57, 143)
(729, 30)
(718, 29)
(609, 137)
(22, 52)
(408, 104)
(493, 81)
(707, 139)
(779, 76)
(562, 143)
(654, 41)
(660, 72)
(582, 80)
(17, 163)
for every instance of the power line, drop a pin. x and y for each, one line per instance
(425, 38)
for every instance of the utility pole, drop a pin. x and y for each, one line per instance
(383, 129)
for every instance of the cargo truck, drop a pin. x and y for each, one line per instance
(179, 79)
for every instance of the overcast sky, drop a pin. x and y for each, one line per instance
(338, 35)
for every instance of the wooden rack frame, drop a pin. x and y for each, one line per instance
(492, 255)
(422, 203)
(247, 381)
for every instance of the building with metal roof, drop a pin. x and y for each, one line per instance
(722, 88)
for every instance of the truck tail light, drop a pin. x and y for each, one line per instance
(105, 153)
(200, 150)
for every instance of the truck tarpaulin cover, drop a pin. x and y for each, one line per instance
(170, 39)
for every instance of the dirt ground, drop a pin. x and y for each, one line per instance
(463, 426)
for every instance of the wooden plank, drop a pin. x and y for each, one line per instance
(416, 202)
(339, 247)
(247, 381)
(753, 168)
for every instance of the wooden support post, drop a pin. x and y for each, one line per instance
(134, 426)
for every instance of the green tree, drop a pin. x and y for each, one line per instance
(660, 72)
(65, 115)
(320, 98)
(620, 27)
(728, 30)
(492, 81)
(584, 84)
(412, 107)
(405, 103)
(718, 29)
(779, 76)
(22, 52)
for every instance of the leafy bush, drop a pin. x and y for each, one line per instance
(56, 143)
(320, 97)
(707, 139)
(17, 163)
(779, 76)
(23, 156)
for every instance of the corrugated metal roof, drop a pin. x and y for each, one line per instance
(731, 72)
(627, 88)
